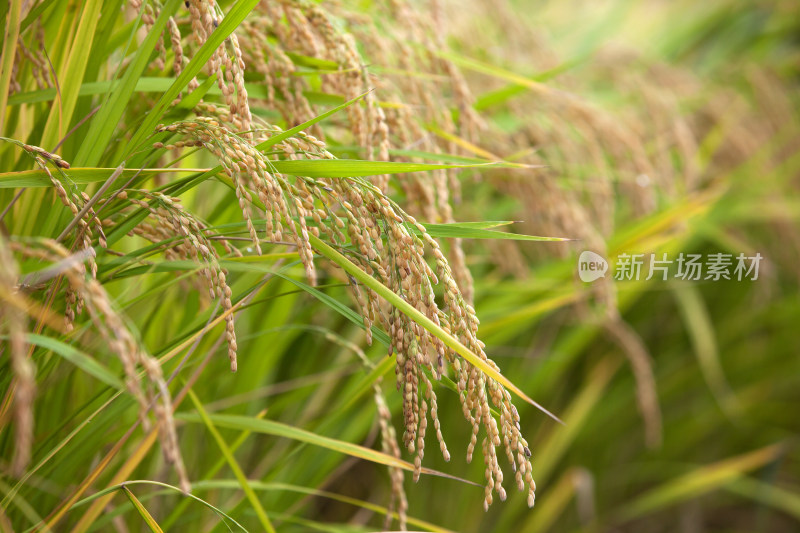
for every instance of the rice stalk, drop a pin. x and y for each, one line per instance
(385, 246)
(172, 221)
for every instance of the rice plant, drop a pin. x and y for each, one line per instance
(224, 225)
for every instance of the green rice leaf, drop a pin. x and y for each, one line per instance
(278, 429)
(171, 488)
(9, 51)
(314, 168)
(105, 121)
(700, 481)
(60, 117)
(143, 512)
(460, 230)
(80, 176)
(233, 464)
(83, 361)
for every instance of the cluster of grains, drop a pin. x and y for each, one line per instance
(284, 202)
(284, 87)
(13, 325)
(186, 239)
(88, 225)
(118, 337)
(330, 42)
(391, 245)
(227, 63)
(416, 351)
(262, 43)
(277, 32)
(401, 265)
(423, 88)
(32, 54)
(35, 56)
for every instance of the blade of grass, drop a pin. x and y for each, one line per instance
(60, 117)
(80, 176)
(146, 84)
(83, 361)
(193, 98)
(181, 507)
(461, 231)
(9, 51)
(314, 168)
(260, 485)
(275, 139)
(782, 499)
(493, 70)
(502, 95)
(233, 464)
(278, 429)
(143, 512)
(447, 158)
(700, 481)
(171, 488)
(23, 505)
(701, 333)
(463, 143)
(347, 168)
(105, 121)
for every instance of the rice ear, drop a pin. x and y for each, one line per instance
(385, 247)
